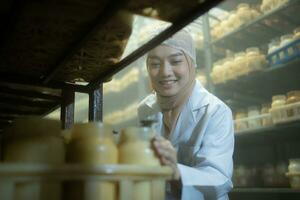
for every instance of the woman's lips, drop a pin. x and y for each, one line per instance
(167, 83)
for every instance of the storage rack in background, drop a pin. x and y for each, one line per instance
(271, 144)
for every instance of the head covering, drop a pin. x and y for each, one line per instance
(171, 106)
(181, 40)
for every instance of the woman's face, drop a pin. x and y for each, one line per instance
(168, 70)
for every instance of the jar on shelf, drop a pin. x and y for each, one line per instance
(242, 176)
(135, 149)
(292, 97)
(273, 46)
(228, 67)
(265, 110)
(254, 120)
(35, 140)
(256, 61)
(234, 21)
(240, 64)
(254, 14)
(240, 120)
(269, 175)
(286, 40)
(266, 5)
(244, 13)
(278, 101)
(224, 27)
(296, 33)
(216, 72)
(91, 143)
(294, 165)
(281, 179)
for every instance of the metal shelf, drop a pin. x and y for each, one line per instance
(290, 130)
(266, 27)
(264, 194)
(259, 87)
(265, 190)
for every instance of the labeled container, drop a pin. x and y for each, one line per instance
(292, 97)
(241, 122)
(240, 64)
(256, 61)
(135, 149)
(294, 165)
(35, 141)
(278, 101)
(254, 120)
(296, 33)
(285, 41)
(244, 13)
(91, 144)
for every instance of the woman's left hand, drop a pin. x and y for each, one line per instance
(167, 154)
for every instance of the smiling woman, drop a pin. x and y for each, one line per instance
(195, 129)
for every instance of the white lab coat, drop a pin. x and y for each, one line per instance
(204, 139)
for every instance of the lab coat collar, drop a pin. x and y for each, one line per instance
(199, 97)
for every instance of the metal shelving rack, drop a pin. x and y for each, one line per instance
(271, 142)
(41, 96)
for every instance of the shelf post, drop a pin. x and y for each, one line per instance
(96, 104)
(67, 108)
(208, 54)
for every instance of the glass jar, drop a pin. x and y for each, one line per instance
(135, 148)
(228, 67)
(241, 123)
(292, 97)
(269, 175)
(233, 21)
(35, 140)
(240, 63)
(286, 40)
(278, 101)
(294, 165)
(296, 33)
(255, 59)
(265, 109)
(253, 117)
(265, 6)
(244, 13)
(254, 14)
(91, 143)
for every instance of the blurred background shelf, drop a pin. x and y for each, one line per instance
(259, 87)
(266, 27)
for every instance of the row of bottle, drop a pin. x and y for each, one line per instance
(240, 64)
(236, 18)
(284, 41)
(257, 118)
(268, 175)
(253, 118)
(269, 5)
(36, 140)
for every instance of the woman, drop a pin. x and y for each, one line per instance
(195, 127)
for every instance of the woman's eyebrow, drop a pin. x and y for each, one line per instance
(153, 57)
(175, 55)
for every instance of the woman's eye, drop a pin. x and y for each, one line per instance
(154, 65)
(176, 62)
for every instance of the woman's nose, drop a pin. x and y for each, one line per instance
(166, 69)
